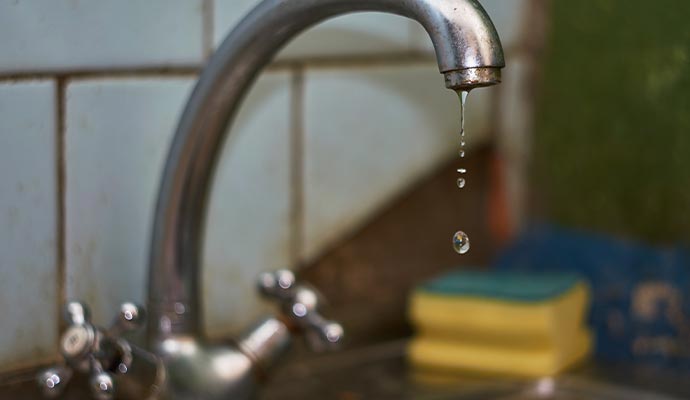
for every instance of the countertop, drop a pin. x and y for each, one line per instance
(380, 372)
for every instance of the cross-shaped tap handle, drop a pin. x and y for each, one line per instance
(300, 304)
(88, 349)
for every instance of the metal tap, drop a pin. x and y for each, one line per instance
(103, 354)
(469, 55)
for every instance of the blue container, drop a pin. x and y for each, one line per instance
(640, 294)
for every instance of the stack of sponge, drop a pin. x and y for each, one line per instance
(499, 323)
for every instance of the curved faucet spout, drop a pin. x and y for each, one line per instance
(469, 54)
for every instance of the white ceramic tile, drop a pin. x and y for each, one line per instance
(370, 134)
(248, 227)
(227, 14)
(118, 133)
(357, 34)
(117, 136)
(70, 34)
(28, 279)
(507, 16)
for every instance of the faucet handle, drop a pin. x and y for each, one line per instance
(300, 305)
(86, 348)
(278, 285)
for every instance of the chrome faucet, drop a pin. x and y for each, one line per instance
(469, 55)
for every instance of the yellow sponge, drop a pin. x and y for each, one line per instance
(518, 322)
(430, 355)
(499, 323)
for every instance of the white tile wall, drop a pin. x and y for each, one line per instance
(117, 136)
(69, 34)
(508, 18)
(248, 228)
(357, 34)
(28, 275)
(118, 133)
(369, 134)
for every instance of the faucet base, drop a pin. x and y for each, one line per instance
(198, 370)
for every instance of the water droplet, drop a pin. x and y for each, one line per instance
(461, 242)
(463, 100)
(461, 152)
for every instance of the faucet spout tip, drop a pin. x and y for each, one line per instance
(470, 78)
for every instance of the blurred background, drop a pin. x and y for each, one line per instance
(342, 165)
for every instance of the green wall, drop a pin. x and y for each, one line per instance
(612, 140)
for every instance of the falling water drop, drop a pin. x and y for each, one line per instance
(461, 152)
(461, 242)
(463, 100)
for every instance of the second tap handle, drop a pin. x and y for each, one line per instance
(278, 285)
(301, 305)
(304, 309)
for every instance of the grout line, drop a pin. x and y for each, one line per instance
(182, 71)
(296, 246)
(20, 371)
(364, 60)
(207, 13)
(60, 98)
